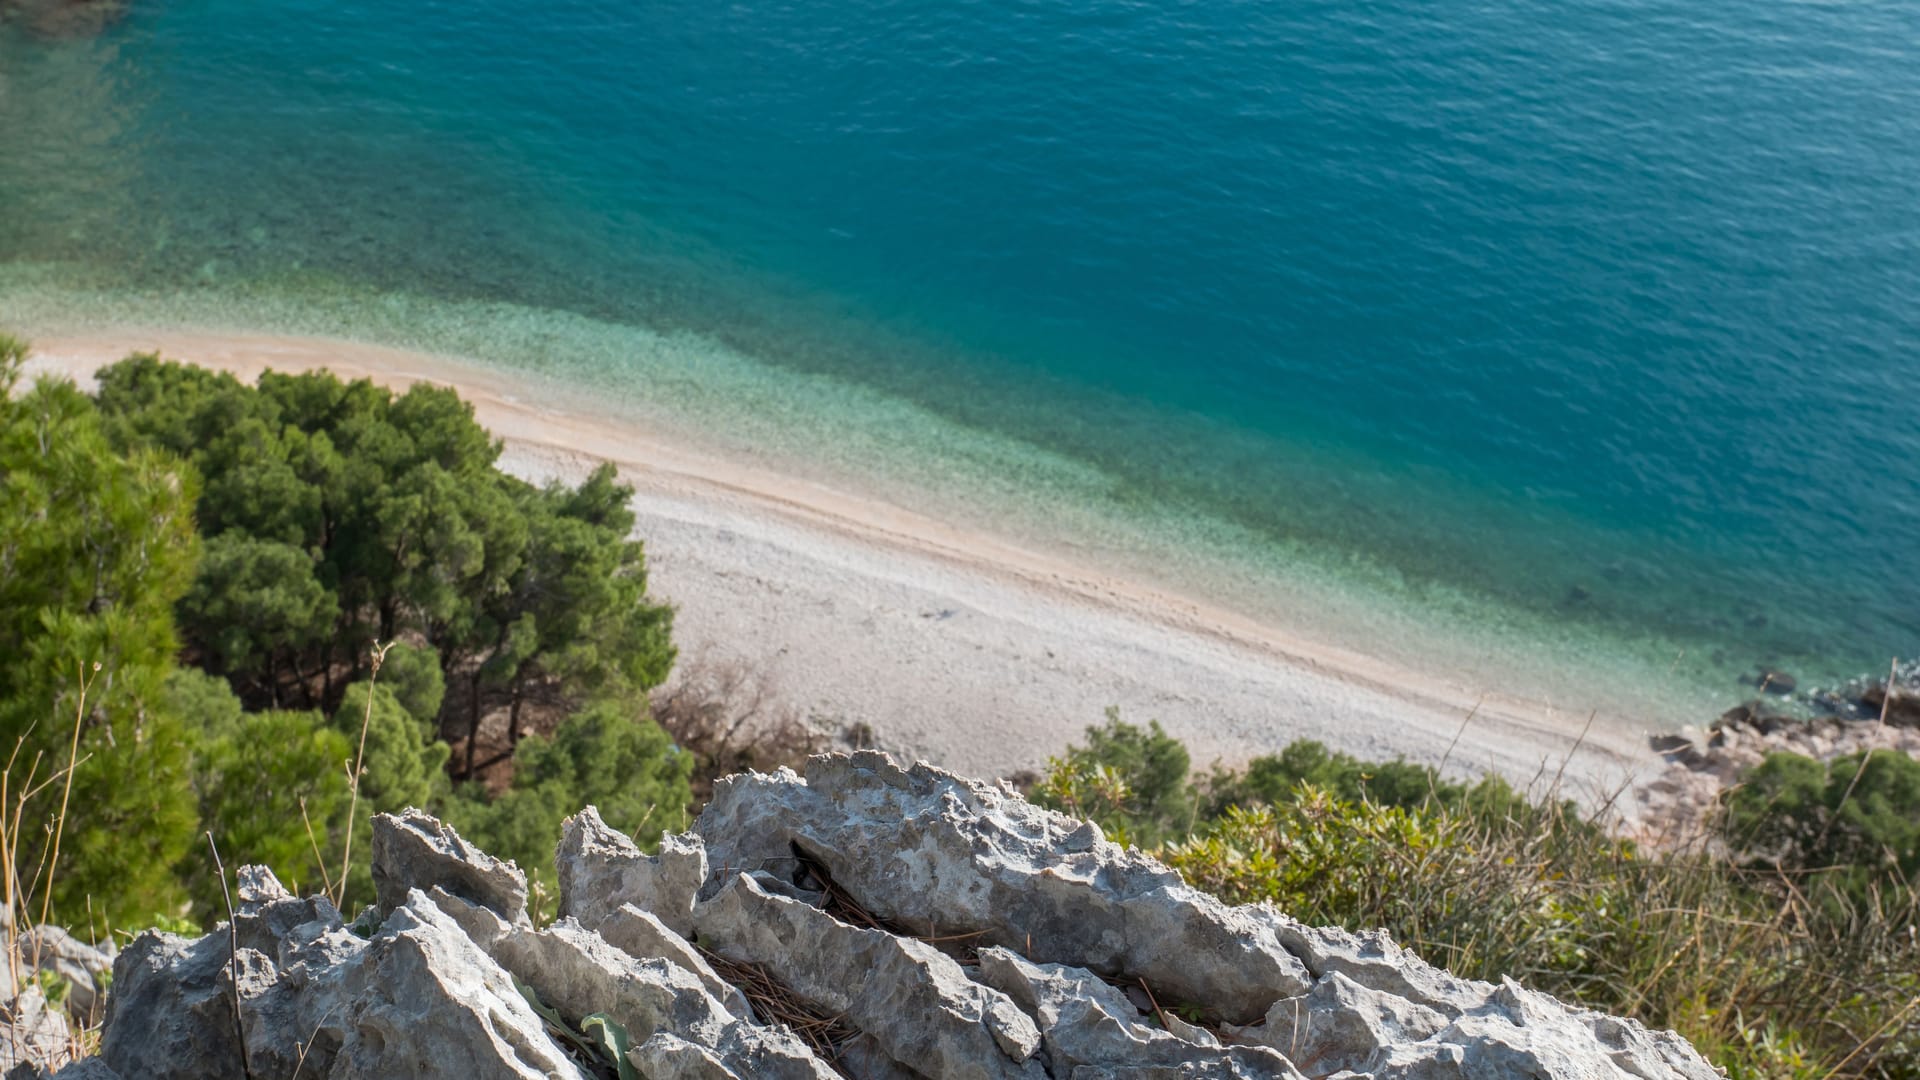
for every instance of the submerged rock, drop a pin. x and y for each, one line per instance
(867, 920)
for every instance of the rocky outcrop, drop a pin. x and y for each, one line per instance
(1677, 806)
(414, 851)
(868, 921)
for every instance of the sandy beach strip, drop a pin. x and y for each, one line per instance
(974, 651)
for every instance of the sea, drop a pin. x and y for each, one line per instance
(1564, 349)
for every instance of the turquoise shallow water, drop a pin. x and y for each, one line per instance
(1577, 340)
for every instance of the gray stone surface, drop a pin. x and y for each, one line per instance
(578, 973)
(1341, 1026)
(915, 1002)
(87, 1069)
(1027, 916)
(170, 1013)
(945, 856)
(413, 850)
(419, 999)
(641, 934)
(33, 1032)
(1086, 1022)
(601, 869)
(51, 949)
(424, 1000)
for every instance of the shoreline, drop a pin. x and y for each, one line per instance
(861, 611)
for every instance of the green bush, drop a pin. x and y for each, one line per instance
(1769, 976)
(625, 766)
(1131, 781)
(1855, 820)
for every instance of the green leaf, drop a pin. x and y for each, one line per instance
(611, 1040)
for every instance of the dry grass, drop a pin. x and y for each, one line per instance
(732, 718)
(17, 889)
(1770, 974)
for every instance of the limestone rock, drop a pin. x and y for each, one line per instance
(1341, 1026)
(424, 1000)
(33, 1033)
(85, 1069)
(413, 850)
(578, 974)
(420, 999)
(1025, 915)
(601, 869)
(947, 856)
(1085, 1022)
(915, 1001)
(667, 1056)
(640, 934)
(51, 949)
(170, 1013)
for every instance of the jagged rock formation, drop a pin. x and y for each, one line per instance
(34, 1031)
(866, 921)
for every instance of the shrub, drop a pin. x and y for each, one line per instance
(1769, 976)
(1855, 819)
(627, 767)
(1131, 781)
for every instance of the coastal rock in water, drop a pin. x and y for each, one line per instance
(946, 856)
(64, 18)
(413, 850)
(601, 869)
(881, 912)
(912, 999)
(1900, 706)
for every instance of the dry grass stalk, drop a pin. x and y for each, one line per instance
(233, 959)
(353, 778)
(731, 718)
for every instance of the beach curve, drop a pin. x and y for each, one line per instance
(977, 651)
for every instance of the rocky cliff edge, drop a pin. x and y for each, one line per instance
(867, 921)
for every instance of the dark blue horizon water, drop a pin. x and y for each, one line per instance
(1594, 321)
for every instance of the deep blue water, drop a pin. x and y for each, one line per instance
(1602, 315)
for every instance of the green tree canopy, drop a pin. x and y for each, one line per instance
(96, 547)
(260, 782)
(404, 765)
(339, 514)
